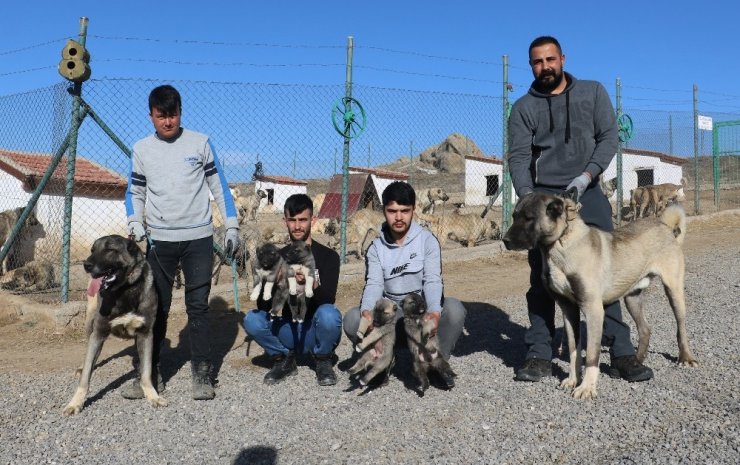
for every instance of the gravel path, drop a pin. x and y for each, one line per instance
(682, 416)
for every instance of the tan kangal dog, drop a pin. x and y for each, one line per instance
(585, 268)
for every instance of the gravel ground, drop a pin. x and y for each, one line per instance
(682, 416)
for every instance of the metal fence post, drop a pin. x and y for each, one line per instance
(620, 189)
(506, 178)
(345, 159)
(696, 150)
(69, 188)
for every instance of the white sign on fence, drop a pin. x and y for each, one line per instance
(705, 123)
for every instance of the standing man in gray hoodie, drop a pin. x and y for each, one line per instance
(407, 258)
(562, 136)
(172, 173)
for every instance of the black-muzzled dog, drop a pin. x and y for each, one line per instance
(125, 305)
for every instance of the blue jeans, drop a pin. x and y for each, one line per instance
(318, 335)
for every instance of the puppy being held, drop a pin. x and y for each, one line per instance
(121, 300)
(585, 268)
(300, 261)
(377, 344)
(423, 344)
(270, 277)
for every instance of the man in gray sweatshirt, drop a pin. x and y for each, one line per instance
(407, 258)
(172, 173)
(562, 136)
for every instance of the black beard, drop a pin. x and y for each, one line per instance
(546, 86)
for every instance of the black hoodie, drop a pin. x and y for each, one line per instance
(555, 138)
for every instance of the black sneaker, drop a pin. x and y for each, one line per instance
(283, 367)
(534, 369)
(324, 371)
(628, 368)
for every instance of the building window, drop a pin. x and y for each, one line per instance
(270, 196)
(645, 177)
(492, 184)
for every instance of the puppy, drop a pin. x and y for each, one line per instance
(299, 258)
(121, 301)
(270, 277)
(377, 344)
(422, 345)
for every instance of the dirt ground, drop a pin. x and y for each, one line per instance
(30, 344)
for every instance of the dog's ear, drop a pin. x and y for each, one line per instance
(571, 210)
(555, 208)
(132, 248)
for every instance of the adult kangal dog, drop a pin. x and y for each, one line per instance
(585, 268)
(125, 305)
(8, 219)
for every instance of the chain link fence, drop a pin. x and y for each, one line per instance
(279, 139)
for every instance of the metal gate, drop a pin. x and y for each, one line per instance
(726, 164)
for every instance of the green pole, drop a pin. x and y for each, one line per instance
(345, 158)
(506, 181)
(696, 150)
(620, 189)
(716, 151)
(71, 158)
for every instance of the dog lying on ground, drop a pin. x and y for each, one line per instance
(121, 301)
(422, 344)
(32, 277)
(8, 218)
(377, 345)
(300, 260)
(585, 268)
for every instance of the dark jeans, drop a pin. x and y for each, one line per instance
(595, 211)
(319, 335)
(196, 259)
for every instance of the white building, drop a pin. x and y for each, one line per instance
(278, 189)
(644, 167)
(483, 178)
(97, 206)
(380, 178)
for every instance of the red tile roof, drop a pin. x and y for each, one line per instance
(90, 178)
(493, 160)
(282, 180)
(380, 173)
(663, 156)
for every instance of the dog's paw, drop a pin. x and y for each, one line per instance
(71, 409)
(569, 383)
(309, 293)
(584, 392)
(157, 402)
(255, 295)
(688, 362)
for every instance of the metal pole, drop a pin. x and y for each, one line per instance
(345, 159)
(696, 150)
(71, 158)
(716, 151)
(620, 178)
(506, 181)
(411, 158)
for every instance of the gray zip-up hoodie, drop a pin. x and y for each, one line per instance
(555, 138)
(172, 179)
(393, 270)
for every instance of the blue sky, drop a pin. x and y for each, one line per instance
(658, 48)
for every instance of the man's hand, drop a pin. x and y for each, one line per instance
(136, 230)
(231, 242)
(579, 184)
(433, 316)
(368, 316)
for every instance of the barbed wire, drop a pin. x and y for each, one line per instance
(30, 70)
(29, 47)
(396, 71)
(423, 55)
(209, 42)
(215, 63)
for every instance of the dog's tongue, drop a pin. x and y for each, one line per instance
(94, 286)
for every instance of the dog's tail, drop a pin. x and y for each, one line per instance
(675, 218)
